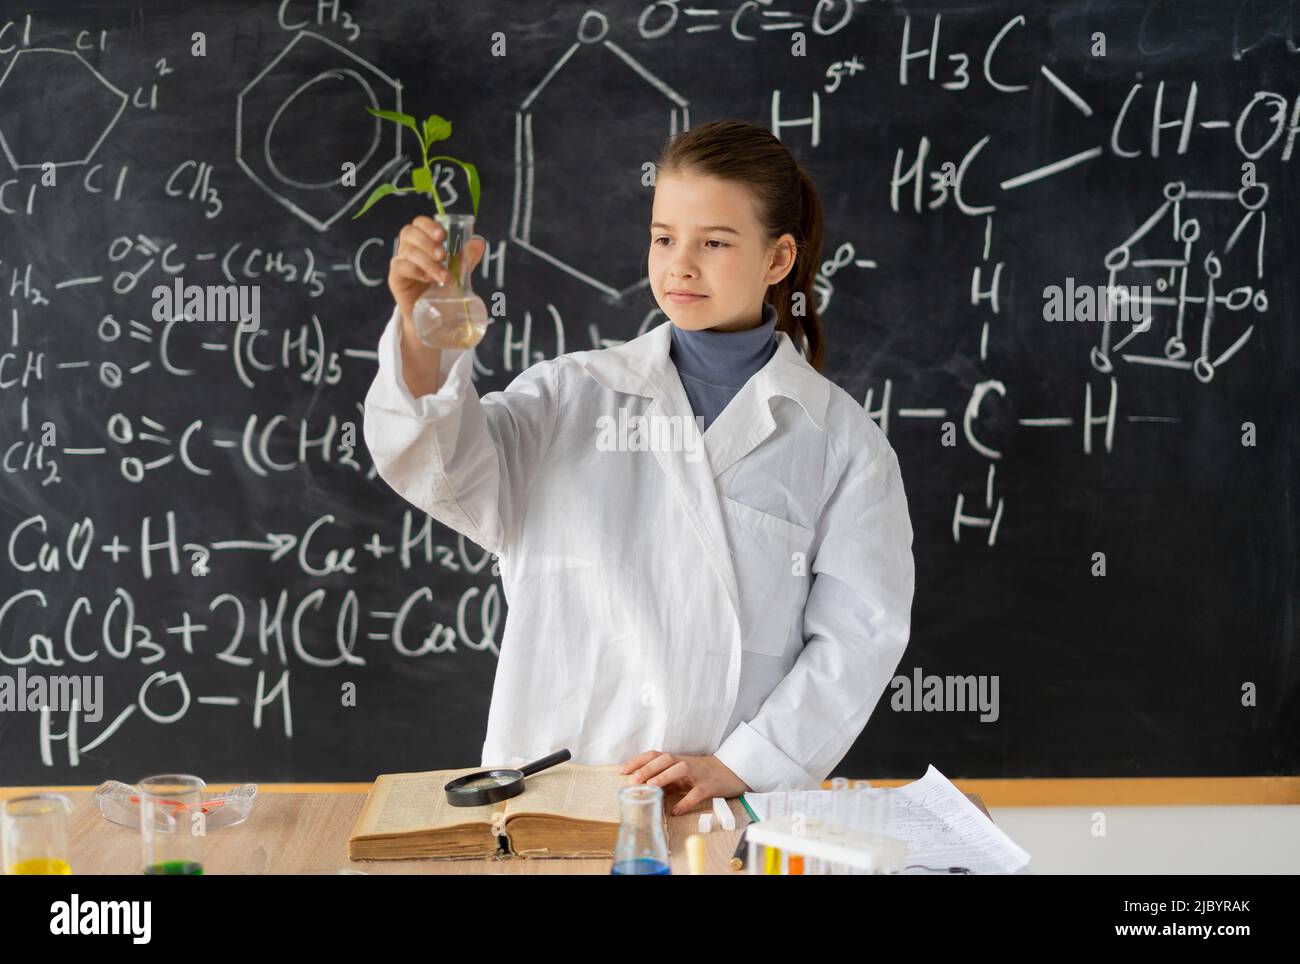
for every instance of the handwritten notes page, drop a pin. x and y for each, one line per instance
(939, 824)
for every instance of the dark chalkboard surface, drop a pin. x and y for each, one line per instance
(189, 514)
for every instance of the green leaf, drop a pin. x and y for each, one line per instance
(393, 115)
(436, 129)
(422, 179)
(382, 191)
(471, 172)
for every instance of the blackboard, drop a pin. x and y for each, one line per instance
(182, 513)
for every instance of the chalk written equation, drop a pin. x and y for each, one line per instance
(318, 628)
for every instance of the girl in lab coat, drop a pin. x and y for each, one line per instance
(718, 604)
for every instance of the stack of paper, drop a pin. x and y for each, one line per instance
(939, 824)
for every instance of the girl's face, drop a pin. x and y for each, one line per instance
(705, 239)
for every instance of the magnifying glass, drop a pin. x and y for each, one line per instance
(489, 786)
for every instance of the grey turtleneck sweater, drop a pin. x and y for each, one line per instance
(714, 365)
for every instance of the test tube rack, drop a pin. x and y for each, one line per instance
(803, 847)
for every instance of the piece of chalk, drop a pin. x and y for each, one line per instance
(706, 822)
(695, 853)
(722, 810)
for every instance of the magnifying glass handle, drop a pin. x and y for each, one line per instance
(559, 756)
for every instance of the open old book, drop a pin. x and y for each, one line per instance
(568, 810)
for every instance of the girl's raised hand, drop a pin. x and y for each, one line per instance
(421, 261)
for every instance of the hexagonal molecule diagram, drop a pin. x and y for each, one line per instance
(64, 125)
(295, 127)
(566, 180)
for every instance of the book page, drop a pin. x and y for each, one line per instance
(571, 790)
(402, 802)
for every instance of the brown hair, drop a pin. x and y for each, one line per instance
(785, 201)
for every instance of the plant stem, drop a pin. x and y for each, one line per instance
(464, 302)
(433, 190)
(451, 261)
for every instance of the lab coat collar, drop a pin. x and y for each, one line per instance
(641, 367)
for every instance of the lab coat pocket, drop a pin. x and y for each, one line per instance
(770, 558)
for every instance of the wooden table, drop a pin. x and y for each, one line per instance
(307, 833)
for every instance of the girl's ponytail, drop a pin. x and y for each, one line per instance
(794, 298)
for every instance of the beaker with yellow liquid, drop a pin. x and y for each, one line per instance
(34, 829)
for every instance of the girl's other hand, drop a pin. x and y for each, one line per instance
(421, 261)
(701, 777)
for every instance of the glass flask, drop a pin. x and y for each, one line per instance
(451, 315)
(642, 847)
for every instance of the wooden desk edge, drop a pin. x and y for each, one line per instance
(1076, 792)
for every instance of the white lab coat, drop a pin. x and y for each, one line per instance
(656, 598)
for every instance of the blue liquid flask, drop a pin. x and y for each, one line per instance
(642, 847)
